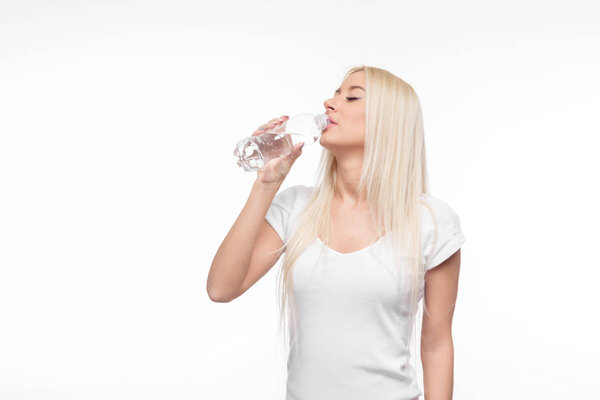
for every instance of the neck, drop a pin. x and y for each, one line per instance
(348, 171)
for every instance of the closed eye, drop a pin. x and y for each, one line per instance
(352, 98)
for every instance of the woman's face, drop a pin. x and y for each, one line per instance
(348, 109)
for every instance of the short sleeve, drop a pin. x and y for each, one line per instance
(278, 214)
(449, 236)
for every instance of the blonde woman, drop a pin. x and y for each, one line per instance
(362, 247)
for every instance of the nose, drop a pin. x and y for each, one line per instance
(329, 105)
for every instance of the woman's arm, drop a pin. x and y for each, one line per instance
(231, 263)
(437, 349)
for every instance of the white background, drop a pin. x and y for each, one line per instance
(118, 184)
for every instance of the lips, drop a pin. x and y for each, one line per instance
(331, 121)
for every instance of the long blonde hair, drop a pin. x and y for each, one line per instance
(394, 174)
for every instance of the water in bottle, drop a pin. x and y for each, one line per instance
(255, 151)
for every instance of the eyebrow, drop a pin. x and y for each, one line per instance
(350, 88)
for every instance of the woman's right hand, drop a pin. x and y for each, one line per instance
(274, 172)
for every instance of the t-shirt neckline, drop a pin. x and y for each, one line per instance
(352, 253)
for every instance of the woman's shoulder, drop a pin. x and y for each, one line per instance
(293, 196)
(434, 201)
(438, 209)
(297, 191)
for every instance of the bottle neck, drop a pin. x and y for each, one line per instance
(322, 120)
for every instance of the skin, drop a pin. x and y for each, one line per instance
(346, 141)
(437, 348)
(274, 172)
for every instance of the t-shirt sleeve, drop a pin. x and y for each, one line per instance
(278, 214)
(449, 235)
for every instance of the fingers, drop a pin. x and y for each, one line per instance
(275, 121)
(270, 125)
(296, 151)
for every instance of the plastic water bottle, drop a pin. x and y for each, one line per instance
(255, 151)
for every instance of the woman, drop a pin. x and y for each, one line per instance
(362, 247)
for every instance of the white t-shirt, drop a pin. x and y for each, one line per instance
(354, 322)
